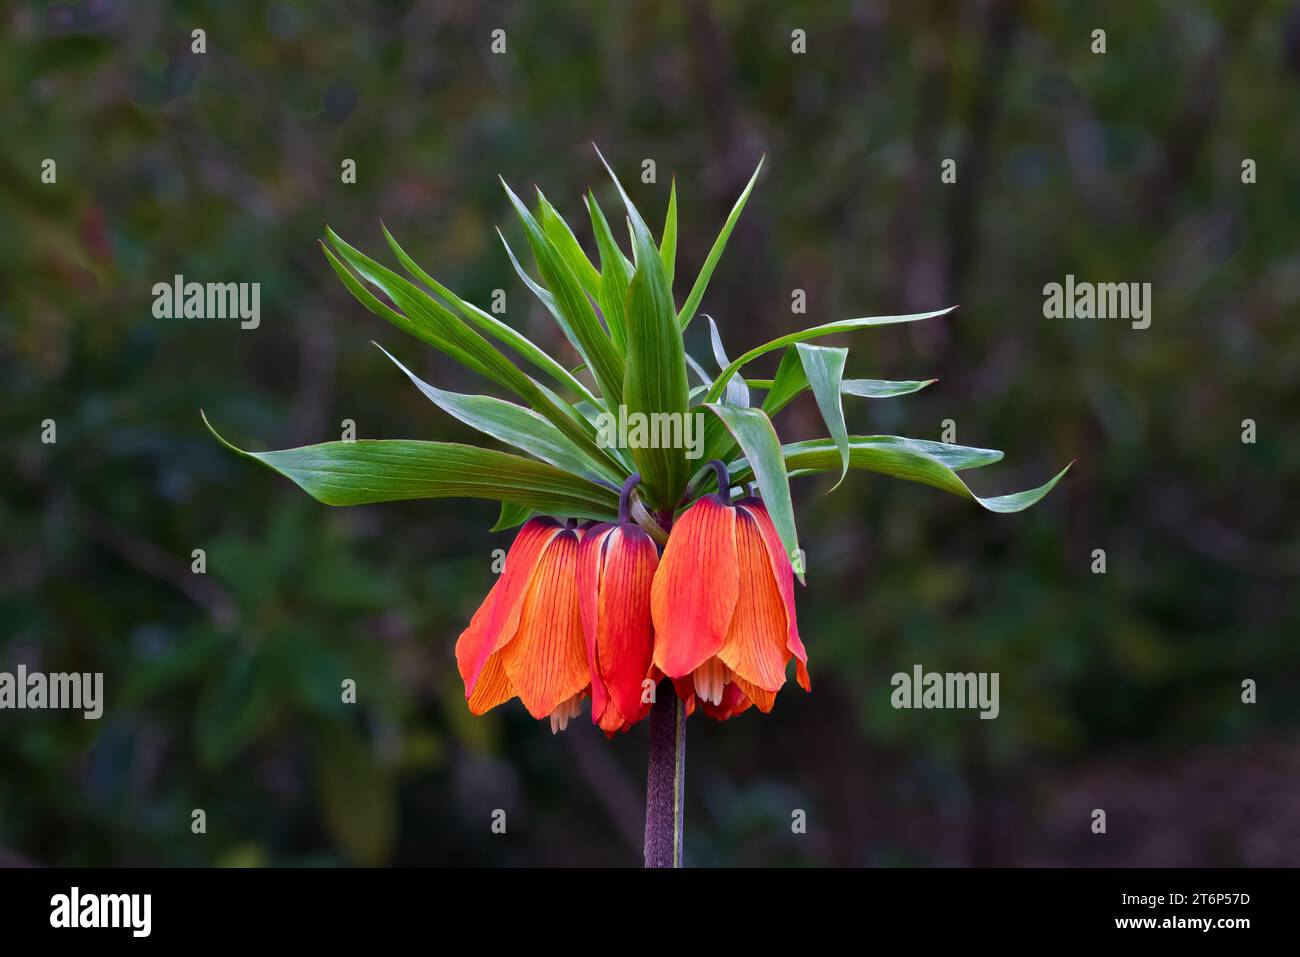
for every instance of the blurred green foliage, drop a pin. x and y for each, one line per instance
(223, 690)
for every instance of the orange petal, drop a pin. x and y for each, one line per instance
(784, 575)
(760, 697)
(625, 635)
(492, 687)
(496, 620)
(755, 649)
(694, 590)
(546, 661)
(611, 722)
(591, 559)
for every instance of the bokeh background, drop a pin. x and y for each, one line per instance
(1119, 691)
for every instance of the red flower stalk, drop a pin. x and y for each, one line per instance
(616, 565)
(526, 638)
(723, 607)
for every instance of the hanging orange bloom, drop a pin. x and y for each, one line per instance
(616, 565)
(526, 638)
(723, 607)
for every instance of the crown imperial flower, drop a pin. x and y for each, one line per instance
(616, 564)
(591, 609)
(723, 606)
(526, 638)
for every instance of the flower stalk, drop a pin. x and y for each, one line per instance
(665, 780)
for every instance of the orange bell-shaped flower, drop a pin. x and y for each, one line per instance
(526, 638)
(723, 607)
(616, 565)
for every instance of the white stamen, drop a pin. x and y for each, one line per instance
(565, 711)
(710, 680)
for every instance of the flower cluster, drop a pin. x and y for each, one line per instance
(593, 610)
(589, 607)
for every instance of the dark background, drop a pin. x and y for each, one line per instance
(1119, 691)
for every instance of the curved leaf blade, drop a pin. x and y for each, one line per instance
(715, 253)
(567, 245)
(705, 379)
(432, 322)
(515, 425)
(913, 460)
(824, 368)
(615, 275)
(422, 316)
(490, 324)
(790, 380)
(883, 388)
(390, 470)
(767, 466)
(573, 309)
(737, 390)
(668, 244)
(816, 332)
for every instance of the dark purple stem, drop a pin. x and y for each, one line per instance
(724, 480)
(625, 497)
(666, 779)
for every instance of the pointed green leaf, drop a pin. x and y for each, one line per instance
(914, 460)
(610, 253)
(615, 275)
(790, 380)
(791, 377)
(515, 425)
(711, 261)
(824, 368)
(573, 309)
(567, 245)
(429, 320)
(390, 470)
(668, 244)
(640, 231)
(655, 381)
(422, 315)
(490, 324)
(765, 464)
(698, 369)
(883, 388)
(815, 332)
(737, 392)
(543, 296)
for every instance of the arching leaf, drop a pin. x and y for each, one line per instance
(391, 470)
